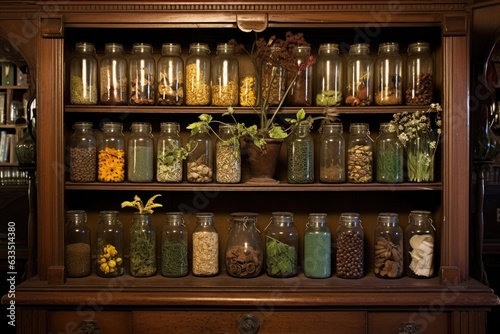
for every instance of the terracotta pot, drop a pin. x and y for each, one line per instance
(263, 161)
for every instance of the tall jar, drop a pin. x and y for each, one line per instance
(170, 76)
(359, 86)
(77, 254)
(227, 155)
(205, 246)
(390, 155)
(300, 93)
(389, 75)
(329, 76)
(225, 72)
(282, 246)
(332, 154)
(198, 75)
(419, 75)
(200, 159)
(419, 245)
(317, 247)
(114, 75)
(142, 246)
(349, 252)
(83, 75)
(109, 253)
(359, 154)
(248, 81)
(244, 253)
(168, 164)
(82, 153)
(388, 246)
(174, 246)
(140, 153)
(273, 78)
(300, 155)
(142, 75)
(111, 156)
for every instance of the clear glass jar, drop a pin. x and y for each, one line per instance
(300, 93)
(142, 75)
(142, 246)
(170, 76)
(77, 253)
(419, 75)
(273, 79)
(419, 245)
(200, 159)
(390, 155)
(111, 156)
(359, 154)
(349, 253)
(114, 75)
(244, 252)
(82, 153)
(140, 153)
(198, 75)
(168, 164)
(83, 75)
(300, 155)
(388, 261)
(109, 252)
(248, 82)
(359, 86)
(227, 155)
(205, 246)
(389, 75)
(282, 246)
(225, 72)
(332, 154)
(317, 247)
(329, 76)
(174, 246)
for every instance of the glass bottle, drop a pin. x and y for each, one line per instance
(317, 247)
(419, 75)
(359, 154)
(114, 75)
(225, 72)
(359, 89)
(198, 71)
(111, 156)
(205, 246)
(170, 76)
(329, 76)
(300, 93)
(77, 254)
(332, 154)
(168, 164)
(388, 246)
(390, 155)
(300, 155)
(200, 159)
(83, 75)
(140, 153)
(248, 81)
(389, 75)
(142, 246)
(26, 150)
(419, 245)
(109, 253)
(282, 246)
(227, 155)
(273, 78)
(349, 239)
(174, 246)
(82, 153)
(244, 253)
(142, 75)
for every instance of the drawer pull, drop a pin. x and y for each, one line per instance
(409, 328)
(248, 324)
(89, 327)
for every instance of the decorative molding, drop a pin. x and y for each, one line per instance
(52, 27)
(252, 22)
(455, 25)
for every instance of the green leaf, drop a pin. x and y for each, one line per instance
(277, 132)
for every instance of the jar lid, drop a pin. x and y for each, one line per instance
(327, 47)
(359, 48)
(112, 125)
(170, 48)
(85, 47)
(357, 127)
(113, 47)
(170, 126)
(140, 126)
(83, 125)
(418, 47)
(199, 46)
(387, 218)
(388, 47)
(142, 48)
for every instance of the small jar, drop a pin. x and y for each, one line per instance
(109, 253)
(170, 76)
(168, 164)
(329, 76)
(332, 154)
(359, 154)
(142, 246)
(388, 246)
(248, 81)
(140, 153)
(205, 246)
(349, 239)
(227, 155)
(390, 155)
(200, 159)
(77, 254)
(300, 155)
(111, 156)
(359, 89)
(419, 245)
(389, 75)
(282, 246)
(198, 75)
(300, 93)
(82, 153)
(273, 79)
(174, 246)
(83, 75)
(419, 75)
(225, 71)
(142, 75)
(317, 247)
(114, 75)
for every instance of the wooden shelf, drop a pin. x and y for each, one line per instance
(15, 87)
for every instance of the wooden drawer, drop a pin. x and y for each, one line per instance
(107, 321)
(392, 322)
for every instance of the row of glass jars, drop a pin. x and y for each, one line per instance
(226, 82)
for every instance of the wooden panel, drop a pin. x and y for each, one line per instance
(428, 321)
(108, 322)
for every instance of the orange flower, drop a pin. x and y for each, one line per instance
(111, 164)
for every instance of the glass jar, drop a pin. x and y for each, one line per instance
(77, 254)
(142, 75)
(109, 253)
(170, 76)
(248, 81)
(82, 153)
(388, 246)
(168, 164)
(225, 80)
(349, 239)
(317, 247)
(200, 159)
(389, 75)
(244, 252)
(419, 245)
(227, 155)
(273, 79)
(282, 246)
(390, 155)
(329, 76)
(142, 246)
(419, 75)
(332, 154)
(114, 75)
(111, 156)
(83, 75)
(359, 89)
(140, 153)
(198, 71)
(174, 246)
(300, 93)
(205, 246)
(300, 155)
(359, 154)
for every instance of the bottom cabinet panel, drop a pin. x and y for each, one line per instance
(89, 322)
(409, 322)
